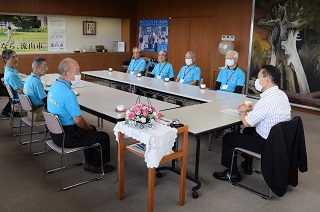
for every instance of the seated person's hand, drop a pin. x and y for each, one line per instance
(244, 107)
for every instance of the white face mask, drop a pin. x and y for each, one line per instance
(229, 62)
(258, 86)
(76, 80)
(188, 61)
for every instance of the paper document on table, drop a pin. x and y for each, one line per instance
(231, 111)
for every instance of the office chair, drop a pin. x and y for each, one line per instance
(55, 127)
(26, 105)
(284, 152)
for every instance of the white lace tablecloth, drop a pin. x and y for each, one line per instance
(159, 140)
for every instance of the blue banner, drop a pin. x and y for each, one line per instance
(153, 35)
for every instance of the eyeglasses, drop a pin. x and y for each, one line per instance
(13, 57)
(45, 66)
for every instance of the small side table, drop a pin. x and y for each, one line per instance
(182, 153)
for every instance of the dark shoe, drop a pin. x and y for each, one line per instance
(225, 176)
(97, 169)
(247, 169)
(108, 168)
(7, 114)
(17, 114)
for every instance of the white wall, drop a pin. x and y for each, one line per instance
(107, 31)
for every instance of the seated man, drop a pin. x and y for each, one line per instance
(11, 75)
(190, 73)
(63, 102)
(137, 66)
(272, 108)
(33, 88)
(231, 78)
(163, 69)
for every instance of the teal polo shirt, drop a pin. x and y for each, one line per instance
(12, 78)
(63, 102)
(190, 74)
(232, 78)
(137, 65)
(164, 70)
(33, 88)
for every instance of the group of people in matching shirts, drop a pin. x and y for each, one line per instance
(231, 78)
(62, 101)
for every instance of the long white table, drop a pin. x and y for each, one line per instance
(49, 79)
(158, 85)
(102, 101)
(204, 119)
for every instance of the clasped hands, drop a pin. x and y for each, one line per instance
(243, 107)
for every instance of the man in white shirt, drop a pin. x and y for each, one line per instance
(272, 108)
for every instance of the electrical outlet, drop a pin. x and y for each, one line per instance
(231, 37)
(223, 37)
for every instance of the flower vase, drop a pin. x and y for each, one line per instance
(142, 125)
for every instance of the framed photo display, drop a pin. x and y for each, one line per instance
(89, 27)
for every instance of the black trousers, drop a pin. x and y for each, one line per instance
(78, 137)
(249, 140)
(4, 92)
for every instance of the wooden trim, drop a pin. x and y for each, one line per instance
(182, 153)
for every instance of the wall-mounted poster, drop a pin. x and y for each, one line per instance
(153, 35)
(23, 33)
(56, 34)
(286, 34)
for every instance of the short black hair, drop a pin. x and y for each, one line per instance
(273, 72)
(6, 54)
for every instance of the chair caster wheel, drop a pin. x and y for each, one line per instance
(195, 195)
(158, 174)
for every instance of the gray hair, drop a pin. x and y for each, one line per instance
(6, 54)
(37, 61)
(193, 55)
(139, 49)
(235, 53)
(164, 51)
(64, 65)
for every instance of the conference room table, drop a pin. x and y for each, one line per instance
(48, 79)
(157, 85)
(219, 111)
(102, 102)
(204, 119)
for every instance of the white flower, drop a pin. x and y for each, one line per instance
(143, 120)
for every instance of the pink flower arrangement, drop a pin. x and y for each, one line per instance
(141, 113)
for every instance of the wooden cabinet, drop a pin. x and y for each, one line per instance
(90, 61)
